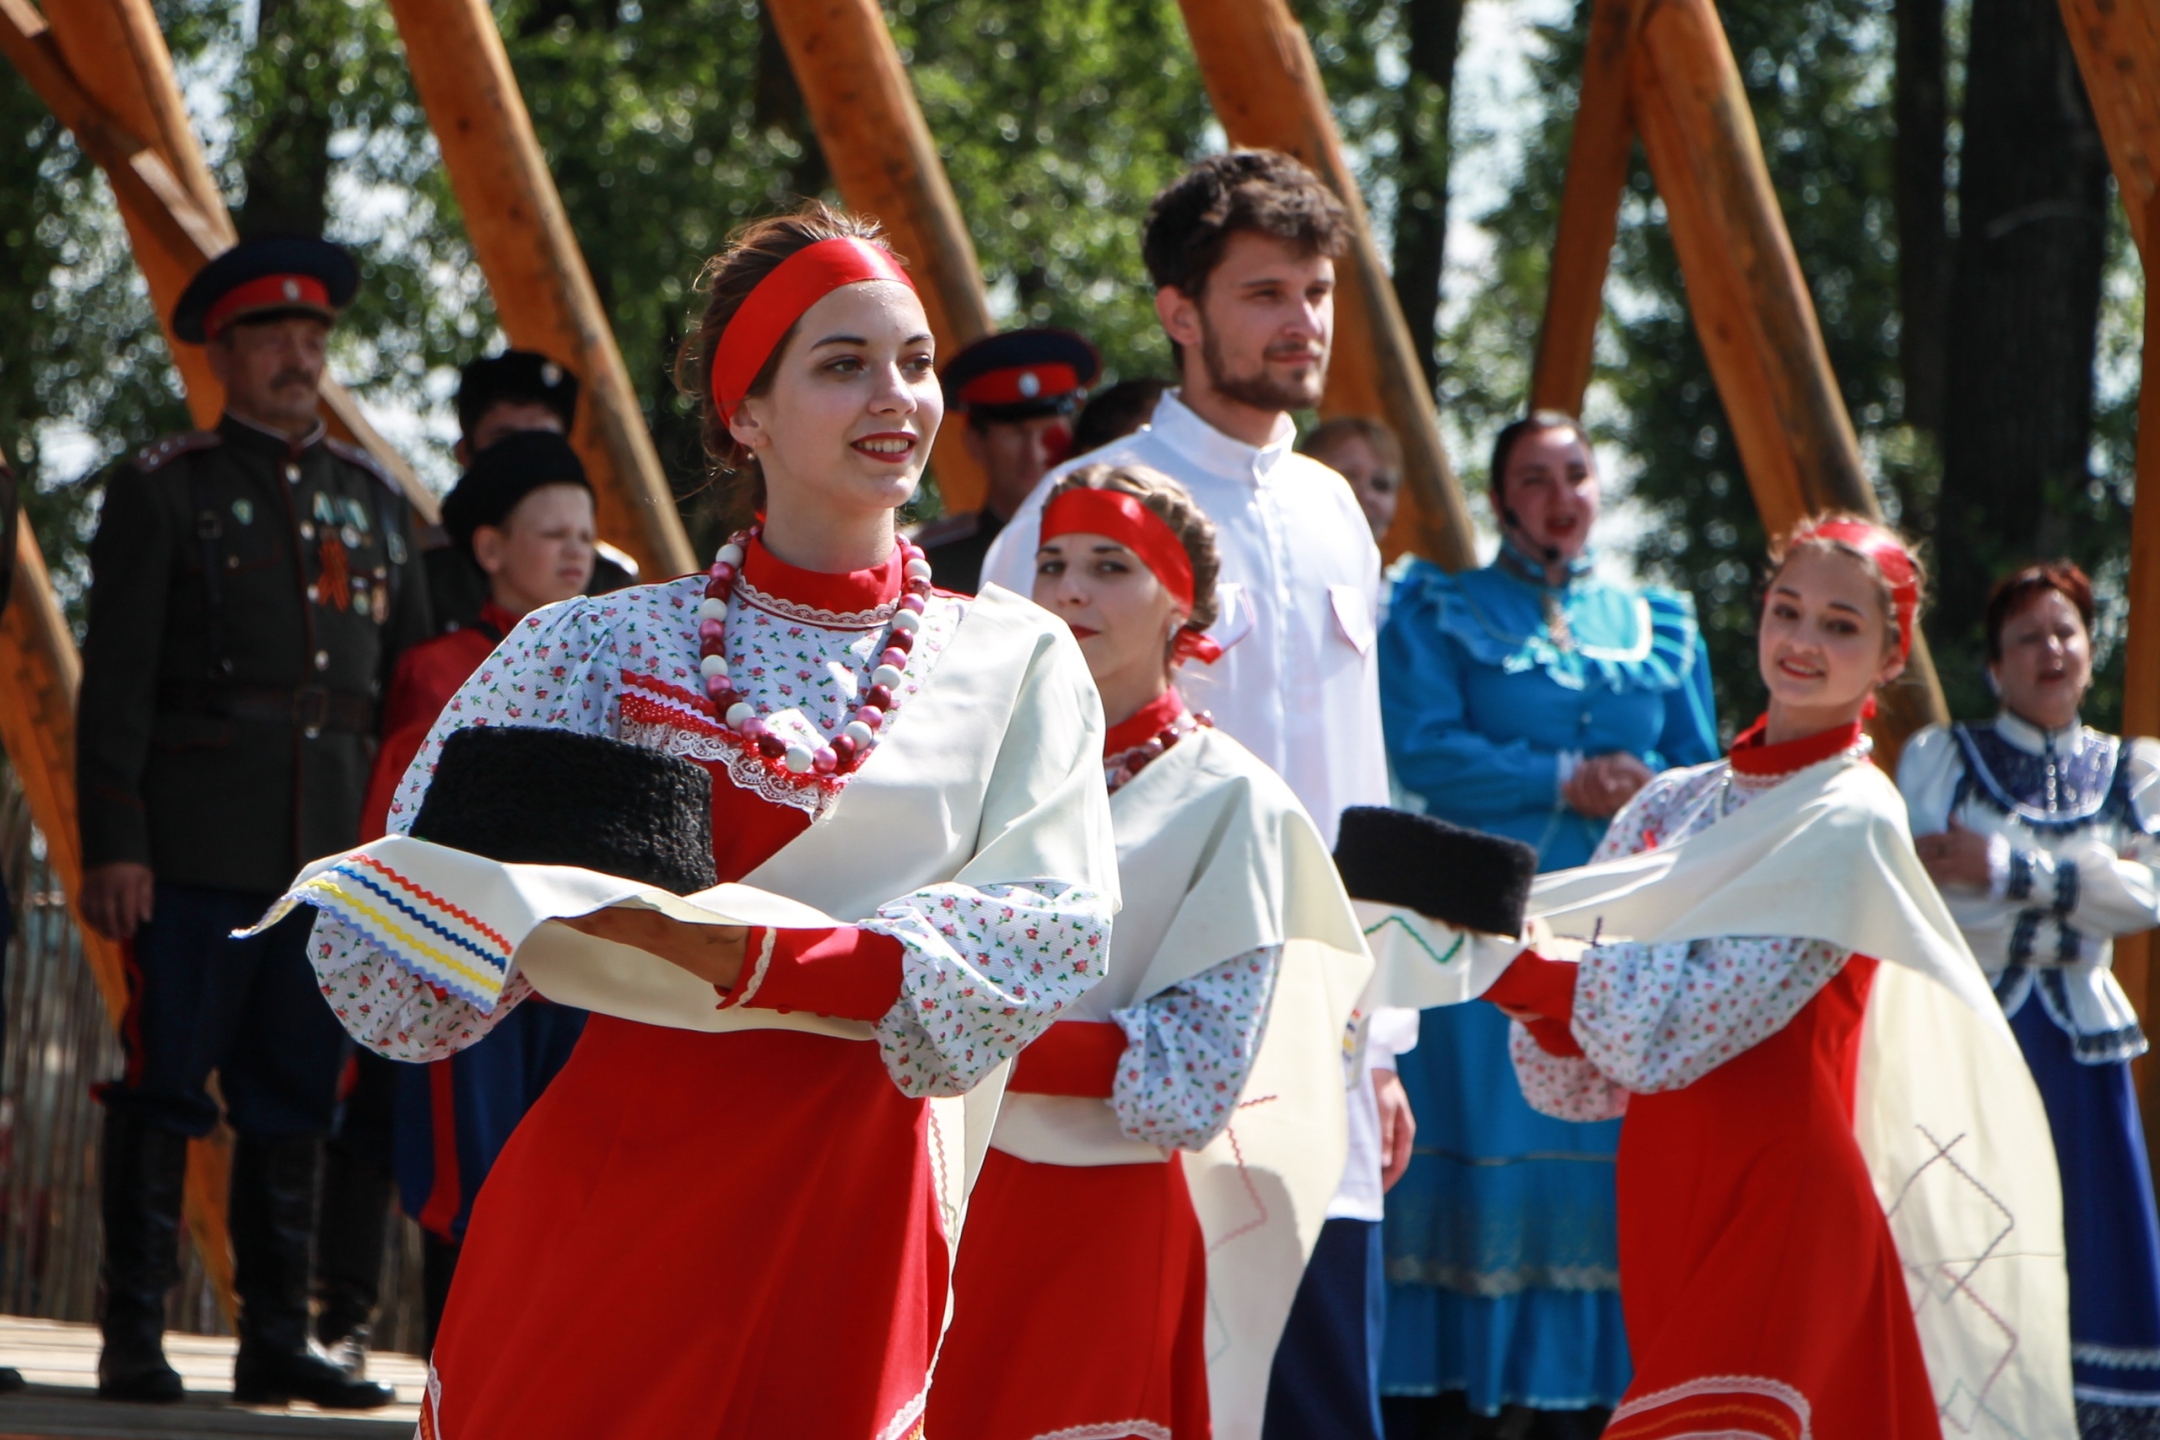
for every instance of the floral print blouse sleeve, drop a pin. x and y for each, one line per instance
(1189, 1048)
(556, 668)
(984, 972)
(1660, 1016)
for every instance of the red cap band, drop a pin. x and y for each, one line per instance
(1021, 385)
(1890, 556)
(779, 300)
(268, 292)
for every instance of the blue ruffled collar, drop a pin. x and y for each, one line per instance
(1519, 563)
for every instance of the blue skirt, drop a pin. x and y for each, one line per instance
(2109, 1227)
(1502, 1247)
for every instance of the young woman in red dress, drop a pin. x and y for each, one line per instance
(1235, 964)
(1764, 1285)
(746, 1234)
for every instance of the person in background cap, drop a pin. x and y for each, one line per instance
(1019, 391)
(501, 395)
(523, 517)
(1367, 454)
(251, 591)
(1115, 412)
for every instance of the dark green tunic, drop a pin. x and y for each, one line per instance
(226, 726)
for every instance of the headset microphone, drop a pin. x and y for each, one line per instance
(1514, 522)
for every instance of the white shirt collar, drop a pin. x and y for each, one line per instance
(1207, 448)
(2026, 736)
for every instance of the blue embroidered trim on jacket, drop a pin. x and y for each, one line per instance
(2066, 887)
(2104, 1047)
(1659, 656)
(2087, 786)
(2019, 886)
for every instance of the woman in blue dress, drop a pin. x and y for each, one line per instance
(2041, 833)
(1528, 699)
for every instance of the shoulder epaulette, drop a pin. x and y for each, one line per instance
(356, 455)
(152, 458)
(947, 529)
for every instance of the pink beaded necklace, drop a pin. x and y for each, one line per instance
(846, 751)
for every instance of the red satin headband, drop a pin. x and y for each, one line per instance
(1890, 556)
(1114, 515)
(779, 300)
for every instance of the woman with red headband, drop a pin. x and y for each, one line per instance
(745, 1234)
(1185, 1118)
(1839, 1213)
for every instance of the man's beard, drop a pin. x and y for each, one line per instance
(1258, 390)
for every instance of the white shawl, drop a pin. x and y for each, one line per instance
(1947, 1115)
(1217, 858)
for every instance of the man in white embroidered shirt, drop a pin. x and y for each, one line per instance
(1242, 252)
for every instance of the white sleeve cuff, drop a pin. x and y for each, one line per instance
(1392, 1032)
(1565, 764)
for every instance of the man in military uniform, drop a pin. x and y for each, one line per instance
(251, 589)
(501, 395)
(1019, 392)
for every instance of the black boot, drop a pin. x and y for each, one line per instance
(144, 1169)
(352, 1225)
(438, 1266)
(272, 1215)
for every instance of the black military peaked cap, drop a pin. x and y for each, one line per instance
(1021, 374)
(521, 795)
(1463, 878)
(517, 376)
(264, 280)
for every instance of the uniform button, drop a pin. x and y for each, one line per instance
(232, 562)
(307, 529)
(311, 595)
(292, 472)
(322, 659)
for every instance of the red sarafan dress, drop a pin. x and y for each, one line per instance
(1762, 1288)
(737, 1235)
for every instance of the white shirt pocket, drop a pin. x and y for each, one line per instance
(1353, 615)
(1233, 614)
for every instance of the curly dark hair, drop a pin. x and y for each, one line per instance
(1264, 191)
(752, 252)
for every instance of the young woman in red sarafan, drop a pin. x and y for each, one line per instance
(744, 1234)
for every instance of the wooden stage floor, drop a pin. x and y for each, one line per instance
(60, 1362)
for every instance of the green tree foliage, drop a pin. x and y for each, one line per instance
(669, 122)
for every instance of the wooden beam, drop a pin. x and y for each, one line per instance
(1597, 169)
(885, 164)
(543, 291)
(108, 53)
(2134, 954)
(1266, 89)
(40, 674)
(1750, 303)
(2117, 43)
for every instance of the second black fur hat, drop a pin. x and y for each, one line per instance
(1464, 878)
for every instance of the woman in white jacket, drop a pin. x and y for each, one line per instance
(2040, 832)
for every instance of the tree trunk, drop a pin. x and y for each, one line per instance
(1435, 28)
(288, 166)
(2025, 306)
(1923, 233)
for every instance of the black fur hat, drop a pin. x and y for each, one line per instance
(1463, 878)
(527, 796)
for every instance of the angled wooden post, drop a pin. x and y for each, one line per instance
(543, 292)
(885, 164)
(1597, 169)
(1265, 87)
(107, 58)
(40, 674)
(2117, 44)
(1750, 303)
(2118, 51)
